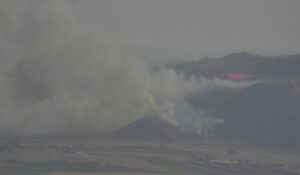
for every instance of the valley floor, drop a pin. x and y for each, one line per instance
(124, 157)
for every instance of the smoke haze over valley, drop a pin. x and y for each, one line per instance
(149, 87)
(70, 68)
(64, 74)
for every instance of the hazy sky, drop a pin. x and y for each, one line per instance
(198, 28)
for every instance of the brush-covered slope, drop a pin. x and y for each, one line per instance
(256, 66)
(151, 128)
(266, 114)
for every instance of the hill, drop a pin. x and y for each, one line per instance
(266, 114)
(150, 128)
(257, 66)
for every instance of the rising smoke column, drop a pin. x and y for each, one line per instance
(61, 75)
(65, 73)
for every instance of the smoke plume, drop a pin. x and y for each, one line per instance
(67, 70)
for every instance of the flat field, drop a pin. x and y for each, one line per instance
(124, 157)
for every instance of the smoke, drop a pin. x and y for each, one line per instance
(67, 71)
(171, 91)
(61, 75)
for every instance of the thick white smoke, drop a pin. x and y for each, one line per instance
(63, 72)
(60, 75)
(171, 91)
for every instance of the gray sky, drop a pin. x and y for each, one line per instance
(197, 28)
